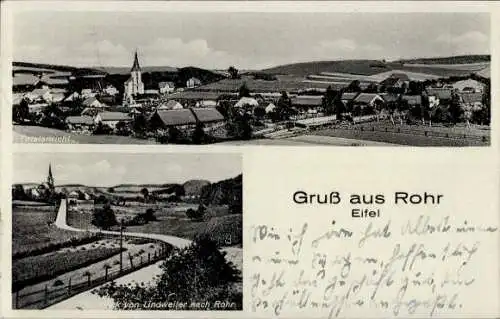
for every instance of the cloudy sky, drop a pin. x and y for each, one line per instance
(245, 39)
(109, 169)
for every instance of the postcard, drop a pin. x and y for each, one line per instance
(249, 159)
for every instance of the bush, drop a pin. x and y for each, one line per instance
(196, 215)
(104, 218)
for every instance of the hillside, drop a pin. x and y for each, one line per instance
(226, 192)
(362, 67)
(460, 59)
(35, 67)
(194, 187)
(371, 67)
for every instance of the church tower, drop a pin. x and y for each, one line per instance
(134, 85)
(50, 179)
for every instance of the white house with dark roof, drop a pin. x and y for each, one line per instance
(192, 83)
(92, 102)
(112, 118)
(166, 87)
(83, 123)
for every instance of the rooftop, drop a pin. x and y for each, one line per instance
(114, 116)
(206, 115)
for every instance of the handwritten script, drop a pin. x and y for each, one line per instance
(421, 266)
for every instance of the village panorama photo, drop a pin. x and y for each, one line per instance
(355, 79)
(101, 231)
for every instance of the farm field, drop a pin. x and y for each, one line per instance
(411, 139)
(39, 134)
(32, 231)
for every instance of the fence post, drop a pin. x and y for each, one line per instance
(69, 287)
(141, 259)
(149, 257)
(46, 295)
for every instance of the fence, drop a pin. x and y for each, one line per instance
(43, 298)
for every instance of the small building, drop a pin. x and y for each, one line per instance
(469, 85)
(471, 100)
(72, 97)
(151, 92)
(396, 80)
(112, 118)
(206, 103)
(92, 102)
(181, 119)
(443, 94)
(83, 123)
(86, 93)
(368, 99)
(57, 97)
(413, 100)
(111, 90)
(246, 101)
(307, 102)
(270, 107)
(170, 105)
(209, 117)
(37, 108)
(166, 87)
(39, 95)
(192, 83)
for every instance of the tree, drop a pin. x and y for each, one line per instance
(328, 101)
(338, 105)
(353, 87)
(198, 136)
(104, 218)
(18, 192)
(233, 72)
(145, 193)
(456, 111)
(21, 112)
(243, 91)
(139, 125)
(150, 215)
(283, 107)
(102, 129)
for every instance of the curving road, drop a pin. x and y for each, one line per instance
(61, 222)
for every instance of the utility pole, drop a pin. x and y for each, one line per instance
(121, 245)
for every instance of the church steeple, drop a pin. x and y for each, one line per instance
(136, 66)
(50, 178)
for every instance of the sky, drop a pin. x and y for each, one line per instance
(247, 40)
(110, 169)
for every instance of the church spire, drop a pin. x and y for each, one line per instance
(50, 178)
(136, 66)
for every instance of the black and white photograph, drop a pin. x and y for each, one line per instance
(124, 231)
(251, 78)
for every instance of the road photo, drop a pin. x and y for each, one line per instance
(124, 231)
(251, 78)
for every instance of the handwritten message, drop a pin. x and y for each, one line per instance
(416, 266)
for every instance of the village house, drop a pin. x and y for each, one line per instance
(246, 101)
(86, 93)
(186, 119)
(72, 97)
(192, 83)
(170, 105)
(110, 90)
(112, 118)
(92, 102)
(39, 95)
(307, 103)
(469, 85)
(368, 99)
(270, 108)
(443, 94)
(396, 81)
(181, 119)
(83, 123)
(209, 117)
(206, 103)
(413, 100)
(166, 87)
(473, 101)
